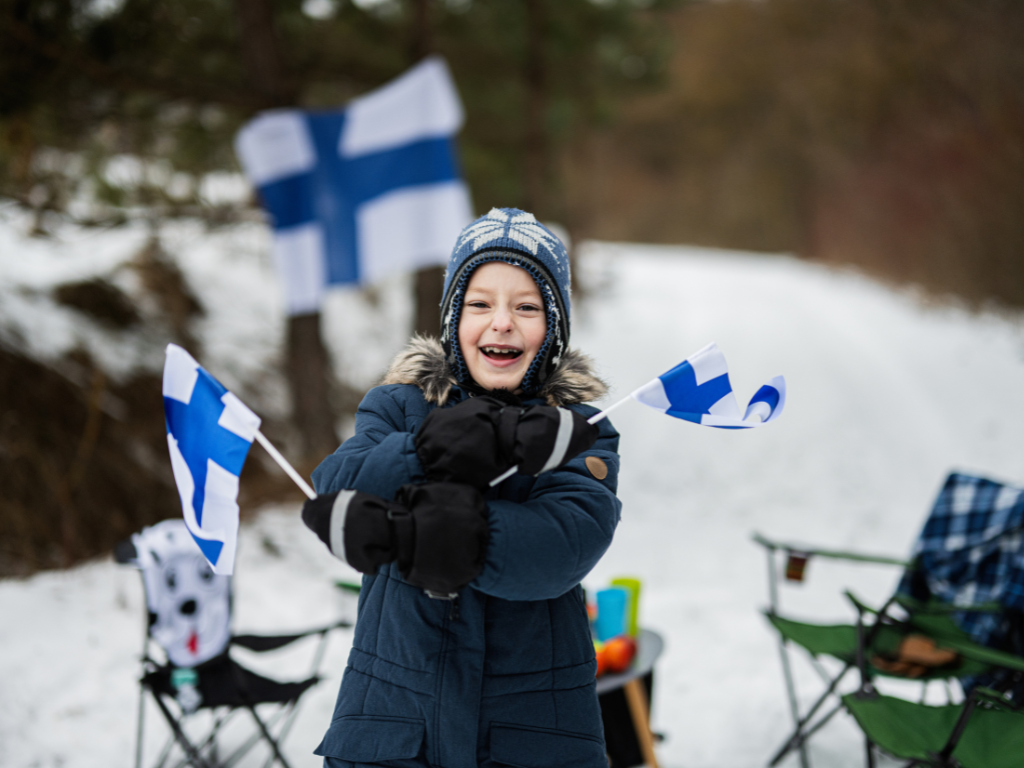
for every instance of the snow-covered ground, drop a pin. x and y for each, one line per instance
(886, 394)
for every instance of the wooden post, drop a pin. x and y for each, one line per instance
(429, 281)
(536, 157)
(636, 698)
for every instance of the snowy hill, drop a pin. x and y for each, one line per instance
(886, 394)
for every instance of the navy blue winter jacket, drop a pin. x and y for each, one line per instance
(508, 677)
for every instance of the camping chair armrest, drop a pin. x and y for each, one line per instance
(911, 605)
(834, 554)
(935, 606)
(260, 643)
(996, 699)
(861, 606)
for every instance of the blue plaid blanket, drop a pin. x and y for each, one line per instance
(970, 553)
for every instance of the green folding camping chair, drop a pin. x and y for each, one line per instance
(986, 731)
(906, 639)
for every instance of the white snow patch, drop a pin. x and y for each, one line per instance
(885, 396)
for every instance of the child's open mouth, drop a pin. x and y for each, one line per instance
(501, 354)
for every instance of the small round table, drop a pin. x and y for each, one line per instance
(649, 646)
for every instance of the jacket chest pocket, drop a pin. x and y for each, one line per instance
(524, 747)
(371, 739)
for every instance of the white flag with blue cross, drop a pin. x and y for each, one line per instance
(209, 433)
(698, 390)
(359, 193)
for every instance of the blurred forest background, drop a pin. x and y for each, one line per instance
(887, 134)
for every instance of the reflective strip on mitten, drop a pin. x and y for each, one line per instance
(357, 527)
(547, 437)
(339, 512)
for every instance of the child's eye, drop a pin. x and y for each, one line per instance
(529, 308)
(477, 304)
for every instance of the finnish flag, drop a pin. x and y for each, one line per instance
(359, 193)
(209, 433)
(698, 390)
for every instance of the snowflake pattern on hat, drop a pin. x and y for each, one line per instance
(520, 227)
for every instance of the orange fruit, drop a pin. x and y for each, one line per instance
(619, 652)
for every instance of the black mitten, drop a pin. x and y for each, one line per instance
(459, 444)
(451, 536)
(546, 438)
(361, 529)
(481, 438)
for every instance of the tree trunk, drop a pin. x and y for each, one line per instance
(429, 280)
(429, 284)
(421, 42)
(310, 383)
(309, 369)
(536, 165)
(261, 53)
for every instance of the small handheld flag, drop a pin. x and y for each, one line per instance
(698, 390)
(209, 433)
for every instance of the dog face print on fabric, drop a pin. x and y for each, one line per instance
(189, 605)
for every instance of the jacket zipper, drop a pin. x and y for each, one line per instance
(452, 597)
(440, 677)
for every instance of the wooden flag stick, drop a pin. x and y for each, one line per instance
(592, 420)
(604, 414)
(283, 463)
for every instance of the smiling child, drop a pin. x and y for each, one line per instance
(472, 645)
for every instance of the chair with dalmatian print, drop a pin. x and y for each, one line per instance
(187, 666)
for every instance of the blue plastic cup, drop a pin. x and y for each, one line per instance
(612, 604)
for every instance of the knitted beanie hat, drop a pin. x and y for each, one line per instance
(517, 238)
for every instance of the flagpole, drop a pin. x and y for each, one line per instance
(592, 420)
(283, 463)
(604, 414)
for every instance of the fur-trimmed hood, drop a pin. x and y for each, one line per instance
(423, 363)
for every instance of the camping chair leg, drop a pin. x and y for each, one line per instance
(867, 688)
(820, 723)
(958, 729)
(292, 712)
(243, 750)
(787, 672)
(794, 706)
(321, 647)
(826, 678)
(293, 708)
(268, 737)
(165, 752)
(194, 757)
(281, 734)
(138, 729)
(798, 735)
(870, 748)
(773, 588)
(211, 739)
(211, 742)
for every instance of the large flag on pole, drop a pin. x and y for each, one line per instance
(356, 194)
(209, 433)
(698, 390)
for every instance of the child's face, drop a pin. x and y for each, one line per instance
(502, 325)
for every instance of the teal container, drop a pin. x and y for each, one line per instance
(612, 607)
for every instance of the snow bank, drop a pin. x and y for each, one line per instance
(886, 394)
